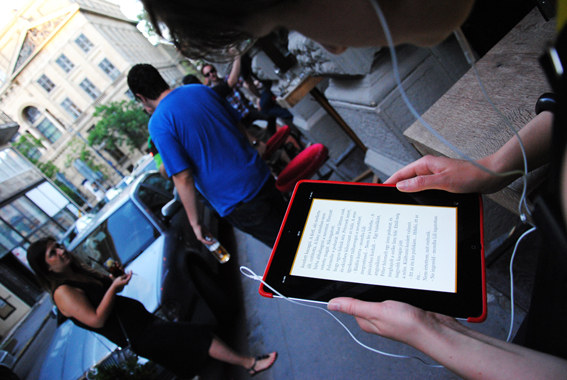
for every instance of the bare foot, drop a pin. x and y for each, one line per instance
(262, 363)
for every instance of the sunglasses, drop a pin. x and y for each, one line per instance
(211, 71)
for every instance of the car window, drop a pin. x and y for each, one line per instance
(156, 180)
(124, 235)
(155, 192)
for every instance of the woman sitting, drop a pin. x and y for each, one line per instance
(90, 300)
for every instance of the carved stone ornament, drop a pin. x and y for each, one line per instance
(35, 37)
(318, 61)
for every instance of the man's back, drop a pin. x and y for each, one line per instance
(194, 128)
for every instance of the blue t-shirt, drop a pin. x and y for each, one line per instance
(193, 128)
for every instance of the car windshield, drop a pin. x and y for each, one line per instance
(124, 235)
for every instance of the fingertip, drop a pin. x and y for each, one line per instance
(334, 305)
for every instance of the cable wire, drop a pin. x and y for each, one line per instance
(250, 274)
(469, 56)
(512, 282)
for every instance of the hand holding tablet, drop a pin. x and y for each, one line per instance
(375, 243)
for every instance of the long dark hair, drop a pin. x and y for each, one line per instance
(50, 280)
(206, 29)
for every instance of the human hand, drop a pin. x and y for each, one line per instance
(202, 234)
(449, 174)
(114, 268)
(120, 282)
(390, 319)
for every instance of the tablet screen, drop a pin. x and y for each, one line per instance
(375, 243)
(405, 246)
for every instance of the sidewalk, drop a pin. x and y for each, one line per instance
(17, 340)
(311, 345)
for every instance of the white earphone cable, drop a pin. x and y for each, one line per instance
(250, 274)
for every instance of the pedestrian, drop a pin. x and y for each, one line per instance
(204, 148)
(228, 89)
(91, 301)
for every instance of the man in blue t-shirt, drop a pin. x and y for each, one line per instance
(203, 148)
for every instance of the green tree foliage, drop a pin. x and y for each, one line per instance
(48, 168)
(78, 200)
(126, 370)
(145, 19)
(28, 146)
(79, 149)
(120, 122)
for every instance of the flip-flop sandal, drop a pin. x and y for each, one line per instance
(253, 372)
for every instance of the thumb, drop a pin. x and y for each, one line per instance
(419, 183)
(349, 306)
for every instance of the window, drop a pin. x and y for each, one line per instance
(116, 154)
(155, 192)
(90, 88)
(31, 114)
(124, 235)
(84, 43)
(109, 69)
(9, 238)
(24, 216)
(5, 309)
(65, 63)
(46, 83)
(33, 153)
(71, 108)
(49, 130)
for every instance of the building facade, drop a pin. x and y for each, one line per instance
(31, 207)
(62, 58)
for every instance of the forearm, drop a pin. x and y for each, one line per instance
(185, 186)
(234, 72)
(536, 138)
(472, 355)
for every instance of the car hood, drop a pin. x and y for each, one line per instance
(74, 350)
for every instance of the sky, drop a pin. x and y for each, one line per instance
(130, 8)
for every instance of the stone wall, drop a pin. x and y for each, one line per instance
(362, 88)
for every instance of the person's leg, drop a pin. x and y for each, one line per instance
(220, 351)
(262, 216)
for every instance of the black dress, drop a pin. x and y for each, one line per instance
(181, 347)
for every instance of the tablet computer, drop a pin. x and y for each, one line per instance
(375, 243)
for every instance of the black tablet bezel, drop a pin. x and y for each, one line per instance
(468, 302)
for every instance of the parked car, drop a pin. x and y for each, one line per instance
(175, 275)
(79, 225)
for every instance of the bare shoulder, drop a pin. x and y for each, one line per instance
(64, 290)
(66, 295)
